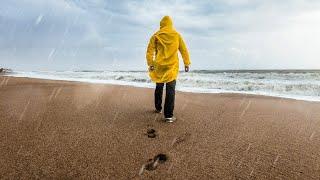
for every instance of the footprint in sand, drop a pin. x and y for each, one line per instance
(152, 164)
(182, 138)
(151, 133)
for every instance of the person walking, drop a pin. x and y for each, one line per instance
(162, 59)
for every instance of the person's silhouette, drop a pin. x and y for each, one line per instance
(163, 62)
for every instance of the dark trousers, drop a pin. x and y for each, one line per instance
(170, 95)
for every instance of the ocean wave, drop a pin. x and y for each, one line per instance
(289, 84)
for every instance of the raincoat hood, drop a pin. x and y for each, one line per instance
(162, 52)
(166, 36)
(166, 22)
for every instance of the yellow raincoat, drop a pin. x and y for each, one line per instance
(162, 53)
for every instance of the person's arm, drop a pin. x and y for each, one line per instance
(151, 52)
(184, 53)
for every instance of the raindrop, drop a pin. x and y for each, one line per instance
(151, 166)
(51, 28)
(110, 19)
(51, 53)
(2, 81)
(52, 94)
(275, 161)
(7, 81)
(251, 172)
(39, 19)
(142, 169)
(310, 138)
(243, 112)
(19, 150)
(25, 108)
(170, 167)
(75, 52)
(154, 163)
(57, 92)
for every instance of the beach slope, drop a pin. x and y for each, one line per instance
(70, 130)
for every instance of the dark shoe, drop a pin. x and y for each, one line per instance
(171, 120)
(158, 111)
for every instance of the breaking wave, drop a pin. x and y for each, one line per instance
(297, 84)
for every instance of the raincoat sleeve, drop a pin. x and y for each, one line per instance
(184, 52)
(151, 51)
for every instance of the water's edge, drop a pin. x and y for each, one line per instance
(181, 89)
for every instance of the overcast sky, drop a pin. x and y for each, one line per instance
(113, 35)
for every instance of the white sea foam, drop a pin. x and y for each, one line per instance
(304, 85)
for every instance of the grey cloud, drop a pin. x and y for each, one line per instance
(223, 34)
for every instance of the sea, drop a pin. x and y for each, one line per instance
(293, 84)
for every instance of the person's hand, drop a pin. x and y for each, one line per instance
(151, 68)
(186, 68)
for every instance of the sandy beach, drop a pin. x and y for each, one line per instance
(71, 130)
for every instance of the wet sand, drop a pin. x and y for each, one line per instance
(70, 130)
